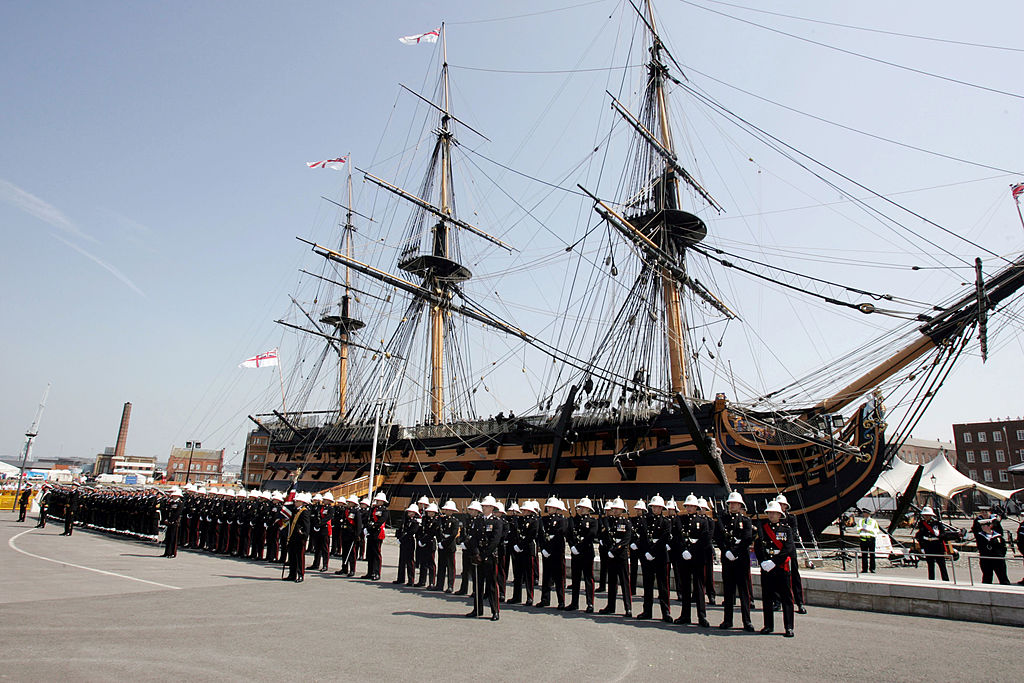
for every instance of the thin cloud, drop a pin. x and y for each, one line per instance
(133, 231)
(103, 264)
(31, 204)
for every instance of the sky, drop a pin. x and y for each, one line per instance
(153, 176)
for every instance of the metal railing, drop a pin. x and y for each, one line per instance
(854, 558)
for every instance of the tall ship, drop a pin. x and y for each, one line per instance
(613, 381)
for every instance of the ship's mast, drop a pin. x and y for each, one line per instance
(440, 249)
(669, 199)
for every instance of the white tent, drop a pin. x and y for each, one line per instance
(939, 477)
(9, 470)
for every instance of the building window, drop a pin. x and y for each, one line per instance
(997, 436)
(970, 456)
(1000, 455)
(1004, 476)
(984, 456)
(1020, 435)
(973, 474)
(988, 475)
(967, 437)
(982, 437)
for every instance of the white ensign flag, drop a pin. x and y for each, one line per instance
(261, 360)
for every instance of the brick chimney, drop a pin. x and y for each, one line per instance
(122, 433)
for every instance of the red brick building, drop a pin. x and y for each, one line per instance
(986, 449)
(206, 464)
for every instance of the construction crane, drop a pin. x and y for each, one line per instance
(29, 435)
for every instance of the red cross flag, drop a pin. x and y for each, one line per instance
(1017, 190)
(428, 37)
(334, 164)
(261, 360)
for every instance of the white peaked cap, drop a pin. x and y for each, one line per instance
(691, 500)
(640, 505)
(703, 503)
(413, 507)
(781, 499)
(735, 497)
(657, 500)
(450, 506)
(585, 503)
(475, 505)
(329, 496)
(423, 500)
(432, 507)
(489, 500)
(317, 497)
(380, 497)
(773, 507)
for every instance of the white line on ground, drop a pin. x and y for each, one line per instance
(78, 566)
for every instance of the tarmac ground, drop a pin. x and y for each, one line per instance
(95, 607)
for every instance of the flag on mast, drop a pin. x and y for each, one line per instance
(1017, 190)
(261, 360)
(333, 164)
(428, 37)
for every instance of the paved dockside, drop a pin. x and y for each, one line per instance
(124, 613)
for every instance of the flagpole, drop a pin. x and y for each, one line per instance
(280, 374)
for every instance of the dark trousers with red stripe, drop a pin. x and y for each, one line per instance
(777, 585)
(524, 575)
(488, 574)
(656, 575)
(373, 557)
(690, 585)
(582, 571)
(736, 581)
(349, 551)
(296, 558)
(445, 569)
(554, 577)
(618, 576)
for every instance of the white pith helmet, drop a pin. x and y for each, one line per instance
(691, 500)
(556, 503)
(433, 508)
(354, 499)
(277, 495)
(671, 504)
(640, 505)
(774, 507)
(514, 507)
(617, 504)
(585, 503)
(380, 497)
(489, 500)
(329, 497)
(450, 506)
(735, 497)
(781, 499)
(927, 510)
(365, 501)
(702, 503)
(475, 505)
(500, 507)
(304, 497)
(657, 500)
(423, 501)
(175, 491)
(414, 508)
(317, 498)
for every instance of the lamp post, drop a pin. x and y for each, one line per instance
(935, 495)
(833, 421)
(191, 446)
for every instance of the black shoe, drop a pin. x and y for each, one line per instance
(572, 607)
(418, 585)
(298, 580)
(711, 600)
(528, 603)
(789, 633)
(366, 576)
(801, 610)
(749, 628)
(461, 592)
(682, 620)
(600, 589)
(590, 609)
(410, 585)
(667, 618)
(448, 591)
(375, 577)
(704, 623)
(542, 604)
(312, 567)
(767, 630)
(644, 615)
(605, 610)
(397, 581)
(513, 601)
(494, 617)
(340, 572)
(627, 615)
(725, 626)
(472, 615)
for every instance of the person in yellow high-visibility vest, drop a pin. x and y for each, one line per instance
(868, 530)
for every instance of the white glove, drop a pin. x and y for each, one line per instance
(767, 565)
(729, 556)
(517, 549)
(573, 550)
(545, 553)
(687, 555)
(650, 558)
(668, 547)
(462, 546)
(632, 546)
(420, 543)
(611, 554)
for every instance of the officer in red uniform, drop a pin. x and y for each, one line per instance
(775, 551)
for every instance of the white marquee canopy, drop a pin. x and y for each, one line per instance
(939, 477)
